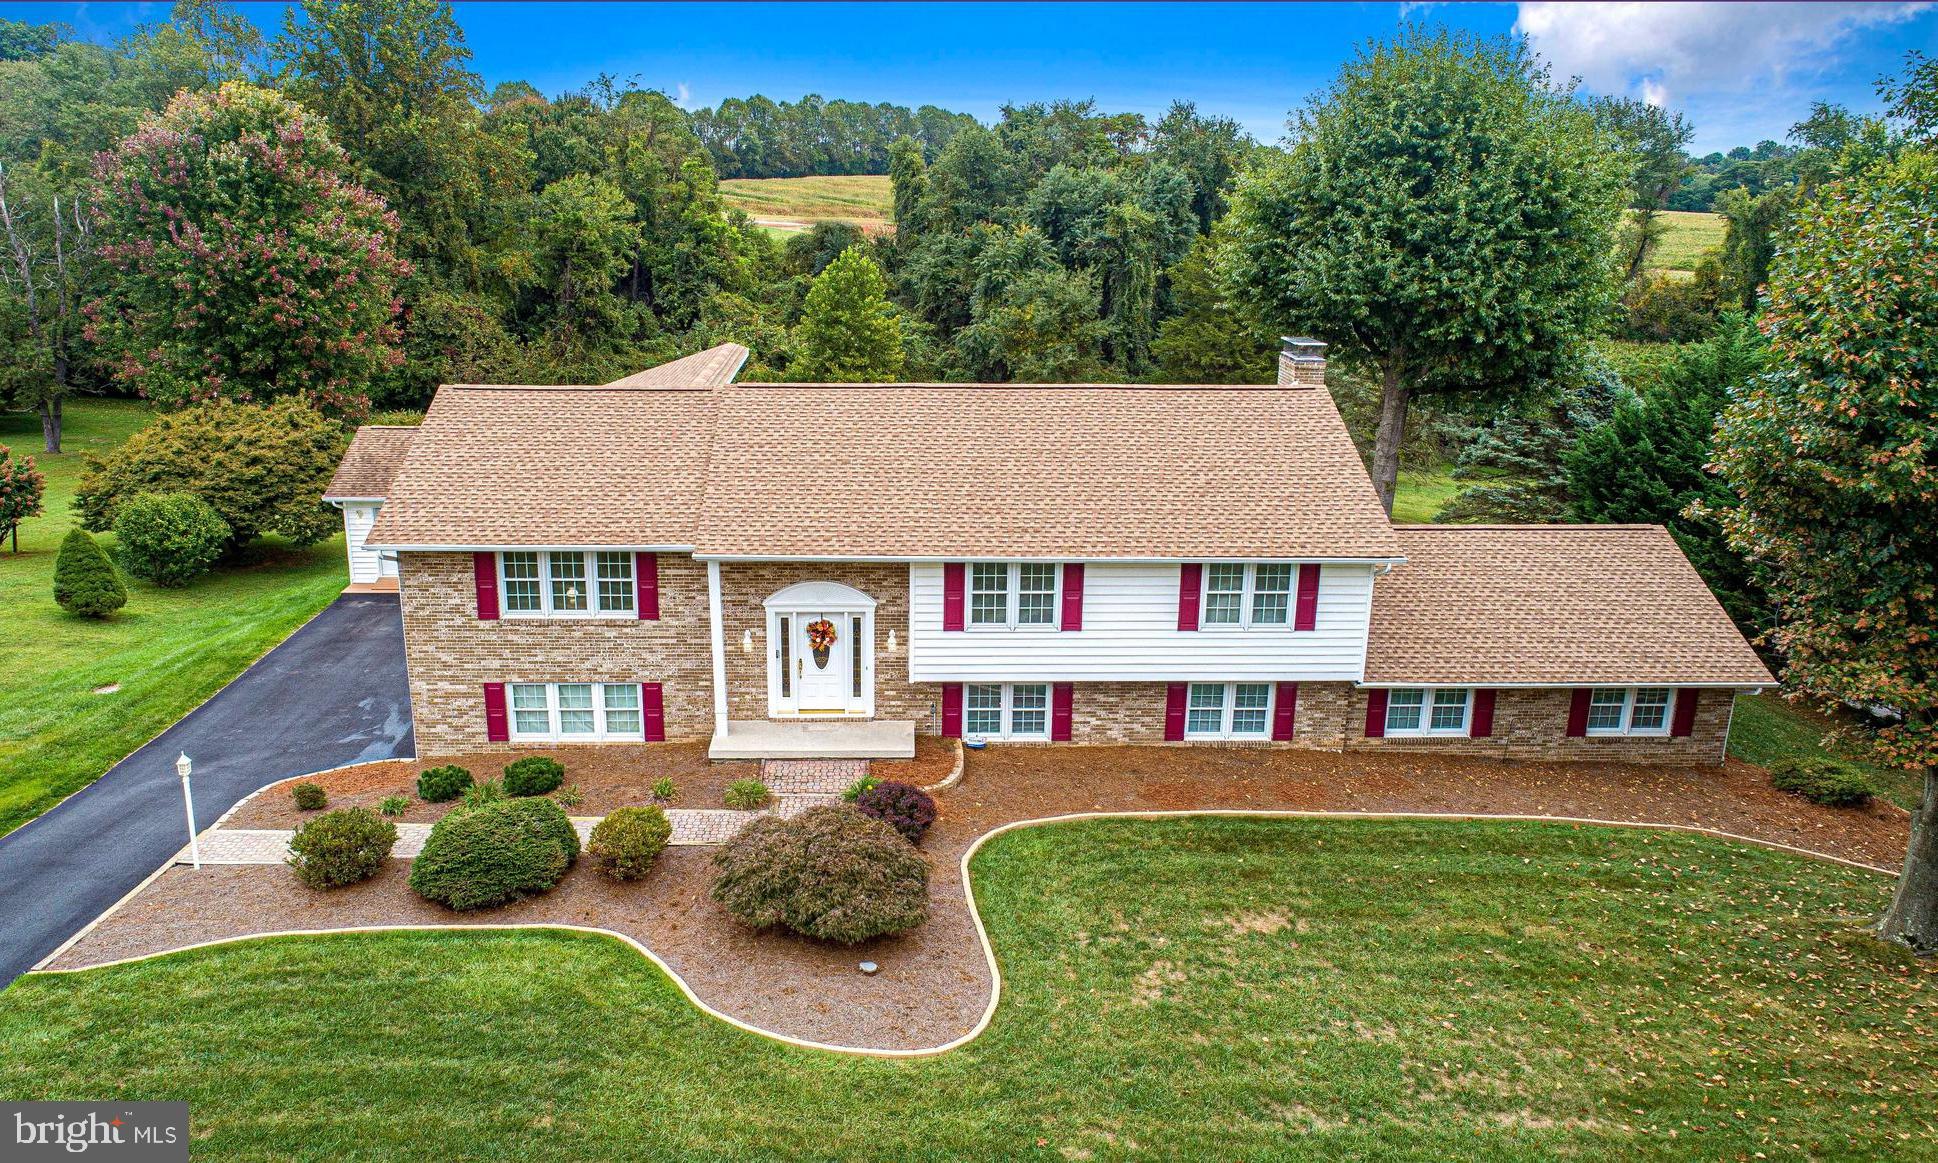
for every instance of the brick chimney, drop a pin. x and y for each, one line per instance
(1302, 363)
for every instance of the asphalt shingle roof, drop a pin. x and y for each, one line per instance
(371, 462)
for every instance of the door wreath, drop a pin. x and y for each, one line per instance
(820, 636)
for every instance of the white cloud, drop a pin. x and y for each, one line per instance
(682, 94)
(1669, 52)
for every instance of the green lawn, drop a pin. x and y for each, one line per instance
(1209, 988)
(1422, 493)
(1689, 236)
(169, 649)
(1768, 728)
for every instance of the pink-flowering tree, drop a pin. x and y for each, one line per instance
(20, 493)
(248, 266)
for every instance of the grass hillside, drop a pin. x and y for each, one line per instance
(1689, 236)
(792, 205)
(1178, 989)
(168, 649)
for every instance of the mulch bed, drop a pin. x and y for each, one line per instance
(608, 776)
(933, 983)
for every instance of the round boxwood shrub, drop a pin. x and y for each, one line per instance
(495, 854)
(341, 847)
(310, 797)
(534, 775)
(829, 872)
(84, 579)
(625, 843)
(903, 807)
(168, 538)
(1822, 781)
(437, 784)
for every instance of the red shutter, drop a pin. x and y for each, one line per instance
(1481, 725)
(1062, 702)
(1174, 713)
(1578, 714)
(952, 587)
(484, 571)
(1306, 615)
(1285, 711)
(1073, 595)
(497, 727)
(1376, 714)
(1190, 581)
(646, 579)
(952, 708)
(652, 711)
(1685, 721)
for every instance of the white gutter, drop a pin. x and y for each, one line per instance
(1746, 687)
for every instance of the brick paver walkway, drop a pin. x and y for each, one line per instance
(811, 777)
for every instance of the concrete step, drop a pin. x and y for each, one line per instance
(815, 739)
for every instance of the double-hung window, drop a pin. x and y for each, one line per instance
(1629, 710)
(1018, 710)
(1416, 711)
(1236, 594)
(567, 583)
(1009, 594)
(1228, 710)
(568, 712)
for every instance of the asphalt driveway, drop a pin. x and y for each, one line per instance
(333, 693)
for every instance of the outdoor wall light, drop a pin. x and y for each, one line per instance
(891, 641)
(746, 641)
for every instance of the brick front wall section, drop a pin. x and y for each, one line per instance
(452, 653)
(745, 587)
(1533, 724)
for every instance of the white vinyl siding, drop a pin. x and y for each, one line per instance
(566, 584)
(575, 712)
(1006, 710)
(1415, 711)
(366, 565)
(1130, 634)
(1630, 710)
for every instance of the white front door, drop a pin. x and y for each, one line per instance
(824, 674)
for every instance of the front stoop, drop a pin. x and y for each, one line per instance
(815, 739)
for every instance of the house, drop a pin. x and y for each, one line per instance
(830, 569)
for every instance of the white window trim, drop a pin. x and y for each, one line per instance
(1229, 710)
(1628, 714)
(1008, 733)
(1245, 597)
(545, 610)
(1012, 599)
(552, 734)
(1426, 727)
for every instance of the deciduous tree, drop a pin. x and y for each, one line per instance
(848, 333)
(1830, 458)
(1444, 214)
(21, 487)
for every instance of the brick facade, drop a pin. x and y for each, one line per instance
(452, 653)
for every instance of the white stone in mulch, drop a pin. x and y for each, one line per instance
(811, 777)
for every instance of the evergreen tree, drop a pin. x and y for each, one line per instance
(1516, 459)
(1209, 340)
(84, 579)
(1647, 464)
(1446, 216)
(848, 333)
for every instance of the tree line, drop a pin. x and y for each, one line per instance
(762, 138)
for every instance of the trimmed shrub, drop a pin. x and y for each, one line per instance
(393, 806)
(830, 873)
(310, 797)
(853, 793)
(904, 807)
(341, 847)
(1830, 782)
(533, 775)
(168, 538)
(480, 794)
(84, 579)
(625, 843)
(437, 784)
(746, 795)
(495, 854)
(664, 791)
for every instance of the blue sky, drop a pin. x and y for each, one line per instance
(1741, 72)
